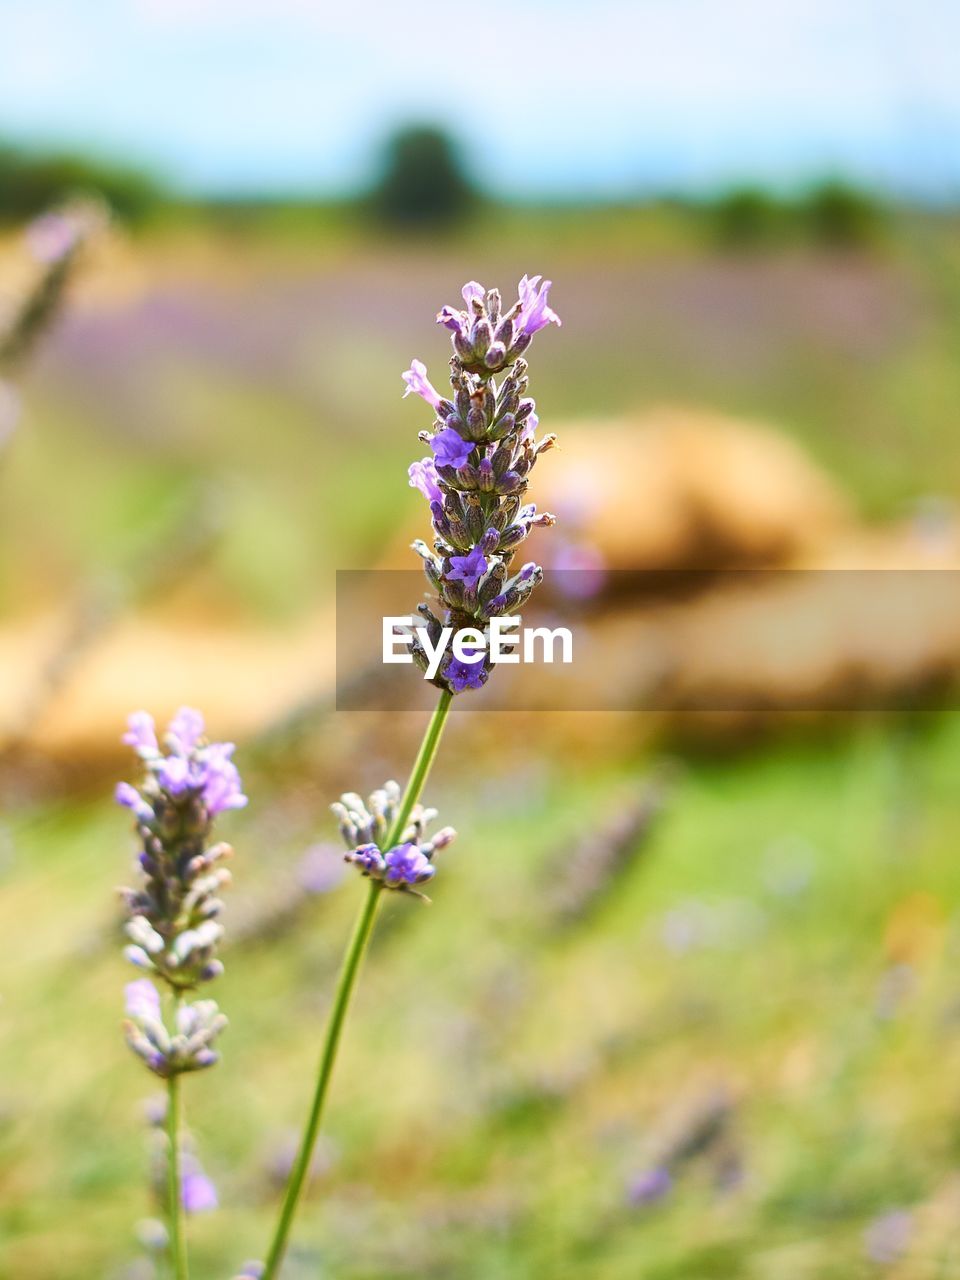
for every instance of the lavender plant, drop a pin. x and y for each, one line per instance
(172, 920)
(484, 447)
(55, 241)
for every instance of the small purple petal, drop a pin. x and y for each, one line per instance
(464, 675)
(472, 291)
(887, 1238)
(417, 381)
(141, 733)
(649, 1187)
(51, 236)
(176, 774)
(130, 798)
(534, 312)
(407, 865)
(222, 788)
(423, 476)
(454, 320)
(187, 727)
(450, 449)
(468, 569)
(9, 411)
(141, 999)
(197, 1193)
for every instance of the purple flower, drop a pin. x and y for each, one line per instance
(222, 788)
(141, 999)
(368, 858)
(141, 733)
(468, 569)
(649, 1187)
(407, 865)
(534, 312)
(450, 449)
(9, 411)
(197, 1193)
(464, 675)
(131, 799)
(458, 321)
(582, 570)
(187, 727)
(887, 1238)
(530, 424)
(423, 476)
(417, 380)
(177, 774)
(51, 236)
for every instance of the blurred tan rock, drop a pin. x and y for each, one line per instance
(682, 488)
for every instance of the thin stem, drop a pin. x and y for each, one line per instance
(349, 972)
(178, 1239)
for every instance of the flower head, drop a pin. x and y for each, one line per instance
(484, 455)
(418, 382)
(197, 1192)
(534, 313)
(407, 865)
(173, 927)
(366, 827)
(468, 569)
(423, 476)
(462, 675)
(450, 449)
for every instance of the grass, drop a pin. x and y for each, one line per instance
(501, 1083)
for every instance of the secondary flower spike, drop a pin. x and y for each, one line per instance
(172, 924)
(364, 827)
(485, 446)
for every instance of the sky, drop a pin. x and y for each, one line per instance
(596, 99)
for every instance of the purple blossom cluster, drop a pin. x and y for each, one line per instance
(484, 446)
(172, 925)
(365, 827)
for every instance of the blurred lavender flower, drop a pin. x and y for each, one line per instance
(887, 1238)
(10, 412)
(320, 869)
(172, 925)
(649, 1187)
(197, 1192)
(485, 447)
(52, 236)
(364, 828)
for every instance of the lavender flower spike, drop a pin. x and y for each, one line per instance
(417, 381)
(485, 447)
(172, 923)
(365, 827)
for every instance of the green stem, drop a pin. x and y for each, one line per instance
(178, 1239)
(349, 972)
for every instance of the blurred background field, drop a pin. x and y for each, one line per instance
(685, 1003)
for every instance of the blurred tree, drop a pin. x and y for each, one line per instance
(423, 182)
(841, 216)
(31, 183)
(747, 218)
